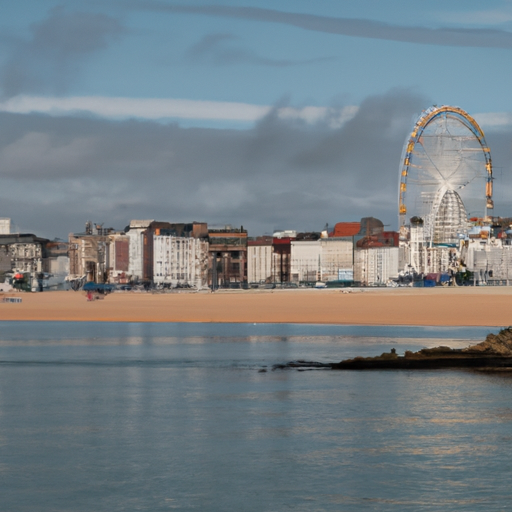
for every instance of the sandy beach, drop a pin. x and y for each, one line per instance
(480, 306)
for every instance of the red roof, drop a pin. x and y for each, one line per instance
(282, 241)
(264, 240)
(346, 229)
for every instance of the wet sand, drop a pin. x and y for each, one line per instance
(480, 306)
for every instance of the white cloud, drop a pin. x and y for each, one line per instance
(154, 109)
(336, 117)
(122, 108)
(494, 120)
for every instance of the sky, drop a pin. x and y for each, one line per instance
(283, 114)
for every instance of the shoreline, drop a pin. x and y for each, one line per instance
(439, 307)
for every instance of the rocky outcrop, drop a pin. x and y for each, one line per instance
(494, 352)
(302, 365)
(500, 343)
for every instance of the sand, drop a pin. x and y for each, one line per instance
(468, 306)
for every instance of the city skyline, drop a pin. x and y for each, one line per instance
(276, 115)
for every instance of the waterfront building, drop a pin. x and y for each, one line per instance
(38, 263)
(180, 261)
(337, 258)
(490, 260)
(5, 226)
(119, 258)
(306, 258)
(281, 256)
(140, 253)
(259, 260)
(227, 256)
(141, 248)
(55, 264)
(89, 254)
(376, 266)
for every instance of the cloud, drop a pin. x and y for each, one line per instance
(37, 150)
(165, 108)
(221, 50)
(147, 108)
(58, 172)
(50, 60)
(494, 120)
(352, 27)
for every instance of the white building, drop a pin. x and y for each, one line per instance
(5, 226)
(416, 245)
(259, 261)
(375, 266)
(306, 260)
(26, 257)
(489, 260)
(337, 258)
(180, 261)
(136, 247)
(426, 258)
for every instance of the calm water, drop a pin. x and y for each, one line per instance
(107, 417)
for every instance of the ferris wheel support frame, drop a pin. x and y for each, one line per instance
(423, 121)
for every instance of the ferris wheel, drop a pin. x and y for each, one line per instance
(445, 172)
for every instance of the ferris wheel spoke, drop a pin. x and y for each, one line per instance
(431, 161)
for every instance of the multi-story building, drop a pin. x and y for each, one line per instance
(259, 260)
(141, 249)
(337, 258)
(490, 260)
(55, 264)
(281, 259)
(119, 260)
(89, 254)
(39, 263)
(180, 261)
(5, 226)
(306, 260)
(227, 257)
(375, 266)
(281, 255)
(137, 242)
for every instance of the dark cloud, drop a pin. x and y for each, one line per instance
(225, 49)
(474, 37)
(50, 60)
(56, 173)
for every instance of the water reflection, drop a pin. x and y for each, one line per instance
(142, 420)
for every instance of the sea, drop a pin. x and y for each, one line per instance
(194, 417)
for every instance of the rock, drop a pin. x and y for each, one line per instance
(500, 343)
(493, 353)
(301, 364)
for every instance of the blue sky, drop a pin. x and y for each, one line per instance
(332, 81)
